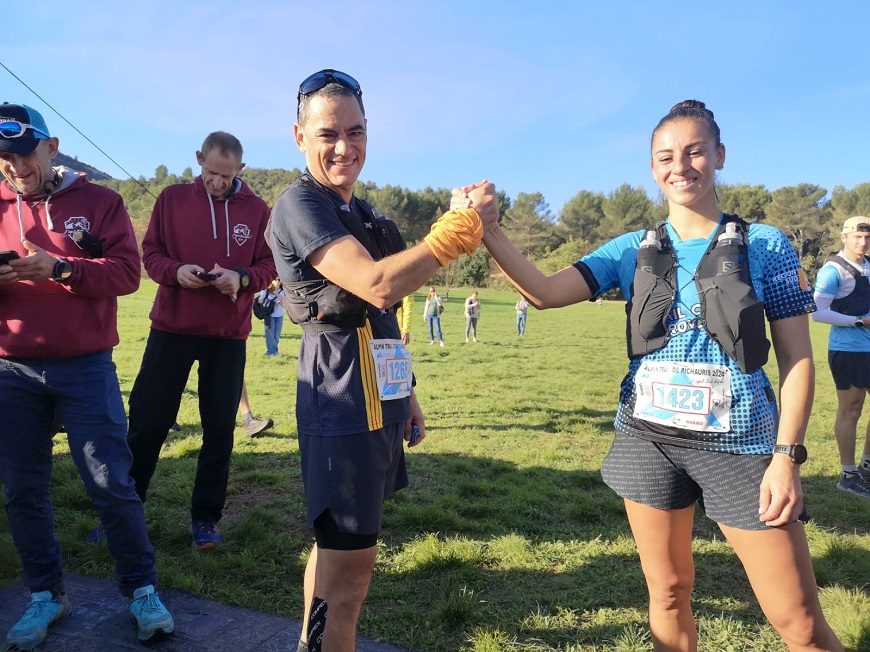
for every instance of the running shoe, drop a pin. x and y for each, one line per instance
(32, 628)
(854, 484)
(254, 427)
(205, 535)
(152, 618)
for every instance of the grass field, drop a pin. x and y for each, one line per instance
(507, 538)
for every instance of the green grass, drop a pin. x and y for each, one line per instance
(507, 539)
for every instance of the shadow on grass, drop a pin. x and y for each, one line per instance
(473, 543)
(556, 420)
(832, 508)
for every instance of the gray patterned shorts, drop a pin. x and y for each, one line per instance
(662, 476)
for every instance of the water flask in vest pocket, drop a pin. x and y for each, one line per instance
(733, 315)
(652, 298)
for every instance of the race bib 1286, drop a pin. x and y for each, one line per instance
(392, 367)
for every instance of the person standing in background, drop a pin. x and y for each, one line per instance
(472, 314)
(274, 295)
(206, 249)
(522, 308)
(404, 313)
(842, 295)
(59, 326)
(432, 310)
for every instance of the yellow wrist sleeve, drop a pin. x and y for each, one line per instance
(455, 233)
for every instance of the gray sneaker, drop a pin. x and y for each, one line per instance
(254, 427)
(854, 484)
(864, 472)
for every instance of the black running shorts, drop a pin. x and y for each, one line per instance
(352, 476)
(850, 369)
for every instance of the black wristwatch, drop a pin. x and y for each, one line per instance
(797, 452)
(244, 277)
(859, 322)
(61, 271)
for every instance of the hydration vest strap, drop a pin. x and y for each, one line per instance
(730, 311)
(850, 269)
(321, 302)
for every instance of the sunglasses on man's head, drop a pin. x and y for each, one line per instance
(318, 80)
(15, 129)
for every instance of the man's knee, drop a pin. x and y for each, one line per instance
(350, 595)
(849, 411)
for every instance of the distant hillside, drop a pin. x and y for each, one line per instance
(74, 164)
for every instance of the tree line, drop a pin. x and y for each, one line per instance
(806, 213)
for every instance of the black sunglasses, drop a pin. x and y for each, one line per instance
(318, 80)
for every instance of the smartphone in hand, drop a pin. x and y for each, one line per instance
(6, 256)
(207, 276)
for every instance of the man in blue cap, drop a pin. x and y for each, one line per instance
(57, 330)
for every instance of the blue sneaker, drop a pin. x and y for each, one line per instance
(32, 628)
(152, 618)
(205, 535)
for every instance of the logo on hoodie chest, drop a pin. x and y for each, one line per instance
(241, 234)
(74, 224)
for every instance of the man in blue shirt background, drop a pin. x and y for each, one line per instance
(842, 295)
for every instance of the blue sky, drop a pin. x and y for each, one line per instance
(554, 97)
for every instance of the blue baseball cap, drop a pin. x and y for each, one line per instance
(21, 128)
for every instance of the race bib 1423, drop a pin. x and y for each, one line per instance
(687, 395)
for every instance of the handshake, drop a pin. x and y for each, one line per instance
(460, 230)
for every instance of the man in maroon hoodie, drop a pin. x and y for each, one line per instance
(58, 310)
(206, 248)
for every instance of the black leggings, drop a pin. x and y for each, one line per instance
(329, 537)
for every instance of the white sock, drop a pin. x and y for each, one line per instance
(849, 469)
(865, 461)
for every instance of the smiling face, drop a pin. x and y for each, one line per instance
(27, 174)
(685, 158)
(333, 139)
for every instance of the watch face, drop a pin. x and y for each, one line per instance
(62, 270)
(799, 453)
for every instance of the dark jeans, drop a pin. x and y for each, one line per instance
(84, 393)
(154, 403)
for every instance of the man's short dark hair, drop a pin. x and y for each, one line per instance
(330, 90)
(227, 144)
(863, 228)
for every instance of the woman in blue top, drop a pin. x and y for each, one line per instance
(695, 424)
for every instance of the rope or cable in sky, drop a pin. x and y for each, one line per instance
(100, 149)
